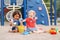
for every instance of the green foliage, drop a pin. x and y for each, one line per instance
(46, 1)
(58, 6)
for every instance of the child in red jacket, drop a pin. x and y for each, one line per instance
(31, 21)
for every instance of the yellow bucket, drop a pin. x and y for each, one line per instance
(21, 29)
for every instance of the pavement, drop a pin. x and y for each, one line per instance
(5, 35)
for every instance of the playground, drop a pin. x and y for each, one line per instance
(47, 13)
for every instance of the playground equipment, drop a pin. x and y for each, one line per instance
(41, 10)
(36, 5)
(10, 4)
(55, 17)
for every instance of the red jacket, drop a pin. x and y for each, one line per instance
(30, 22)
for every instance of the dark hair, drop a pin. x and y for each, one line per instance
(17, 12)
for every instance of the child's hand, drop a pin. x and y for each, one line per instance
(10, 24)
(36, 18)
(24, 20)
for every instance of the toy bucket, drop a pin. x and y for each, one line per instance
(21, 29)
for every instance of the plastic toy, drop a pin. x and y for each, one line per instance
(21, 29)
(26, 33)
(52, 31)
(57, 30)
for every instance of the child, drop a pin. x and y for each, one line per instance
(31, 21)
(16, 21)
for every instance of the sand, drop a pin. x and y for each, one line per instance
(5, 35)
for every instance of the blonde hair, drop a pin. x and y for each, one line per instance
(31, 12)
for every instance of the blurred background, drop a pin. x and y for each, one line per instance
(47, 2)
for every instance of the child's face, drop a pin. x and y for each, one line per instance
(32, 14)
(16, 16)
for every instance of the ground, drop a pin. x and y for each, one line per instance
(5, 35)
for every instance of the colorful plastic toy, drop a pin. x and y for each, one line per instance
(57, 30)
(53, 31)
(21, 28)
(26, 33)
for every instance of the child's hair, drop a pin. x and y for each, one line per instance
(17, 12)
(31, 11)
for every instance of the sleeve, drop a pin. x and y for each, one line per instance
(27, 20)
